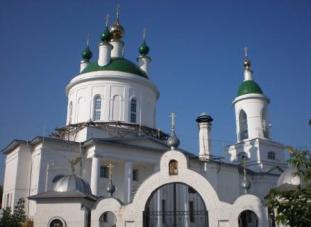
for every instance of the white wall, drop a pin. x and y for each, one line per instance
(109, 85)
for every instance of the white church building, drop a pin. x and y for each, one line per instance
(111, 166)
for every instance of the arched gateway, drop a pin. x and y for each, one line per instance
(175, 205)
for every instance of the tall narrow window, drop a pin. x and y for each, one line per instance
(265, 125)
(97, 108)
(243, 125)
(133, 113)
(70, 113)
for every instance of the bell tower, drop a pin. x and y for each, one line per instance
(251, 107)
(252, 126)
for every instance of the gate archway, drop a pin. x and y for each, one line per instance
(248, 219)
(175, 205)
(107, 219)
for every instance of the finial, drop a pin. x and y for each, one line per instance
(173, 140)
(87, 53)
(144, 34)
(110, 188)
(118, 11)
(107, 19)
(116, 30)
(245, 52)
(110, 166)
(88, 40)
(247, 62)
(173, 119)
(106, 36)
(144, 49)
(245, 184)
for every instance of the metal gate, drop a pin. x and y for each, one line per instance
(179, 206)
(175, 219)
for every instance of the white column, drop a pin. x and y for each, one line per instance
(128, 178)
(118, 48)
(143, 63)
(95, 175)
(104, 53)
(83, 65)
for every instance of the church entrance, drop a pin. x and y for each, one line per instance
(175, 205)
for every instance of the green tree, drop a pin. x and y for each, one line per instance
(15, 219)
(19, 215)
(6, 219)
(293, 206)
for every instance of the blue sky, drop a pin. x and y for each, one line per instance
(197, 55)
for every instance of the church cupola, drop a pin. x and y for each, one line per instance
(143, 59)
(117, 32)
(86, 57)
(105, 47)
(113, 88)
(250, 107)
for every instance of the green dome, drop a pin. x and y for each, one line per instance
(143, 49)
(87, 54)
(116, 64)
(249, 87)
(106, 35)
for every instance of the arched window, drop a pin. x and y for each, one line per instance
(248, 219)
(133, 111)
(265, 125)
(97, 108)
(57, 223)
(173, 167)
(70, 113)
(243, 125)
(107, 219)
(56, 178)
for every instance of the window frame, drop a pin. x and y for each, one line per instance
(133, 110)
(97, 107)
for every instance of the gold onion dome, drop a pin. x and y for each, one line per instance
(116, 30)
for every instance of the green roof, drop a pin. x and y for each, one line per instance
(249, 87)
(116, 64)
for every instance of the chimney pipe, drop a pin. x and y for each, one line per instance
(205, 124)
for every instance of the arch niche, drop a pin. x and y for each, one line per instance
(248, 218)
(175, 204)
(108, 219)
